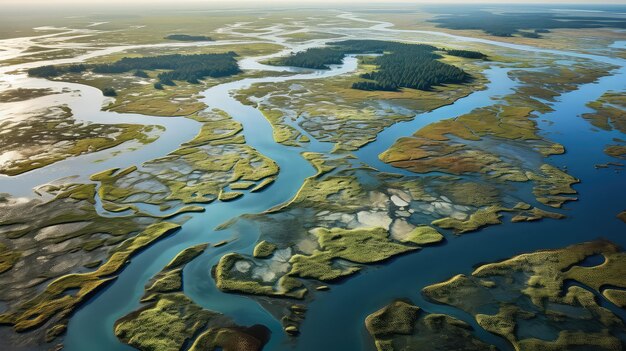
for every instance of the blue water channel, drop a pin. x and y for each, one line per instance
(335, 318)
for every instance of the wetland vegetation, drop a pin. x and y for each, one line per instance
(554, 290)
(404, 326)
(312, 179)
(44, 139)
(169, 319)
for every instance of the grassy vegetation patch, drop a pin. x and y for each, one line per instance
(54, 301)
(440, 146)
(8, 258)
(551, 186)
(55, 254)
(171, 321)
(365, 245)
(232, 338)
(480, 218)
(610, 112)
(22, 94)
(537, 286)
(424, 235)
(233, 273)
(264, 249)
(200, 171)
(167, 324)
(53, 136)
(403, 326)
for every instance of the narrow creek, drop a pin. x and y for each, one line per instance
(600, 200)
(96, 319)
(500, 84)
(86, 104)
(93, 324)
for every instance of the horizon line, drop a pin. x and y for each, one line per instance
(312, 2)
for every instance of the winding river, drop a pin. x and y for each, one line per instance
(601, 197)
(91, 326)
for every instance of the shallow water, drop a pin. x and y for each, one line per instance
(86, 103)
(92, 325)
(601, 198)
(335, 319)
(500, 84)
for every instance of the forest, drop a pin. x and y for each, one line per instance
(467, 54)
(399, 65)
(186, 37)
(316, 58)
(54, 71)
(190, 68)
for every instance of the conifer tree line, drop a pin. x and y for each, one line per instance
(467, 54)
(186, 37)
(316, 58)
(399, 65)
(190, 68)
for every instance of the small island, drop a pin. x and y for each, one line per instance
(187, 37)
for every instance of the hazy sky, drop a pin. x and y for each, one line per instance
(296, 2)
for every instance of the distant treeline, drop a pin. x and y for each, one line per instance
(186, 37)
(316, 58)
(467, 54)
(509, 24)
(190, 68)
(53, 71)
(399, 65)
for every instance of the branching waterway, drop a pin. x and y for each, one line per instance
(91, 327)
